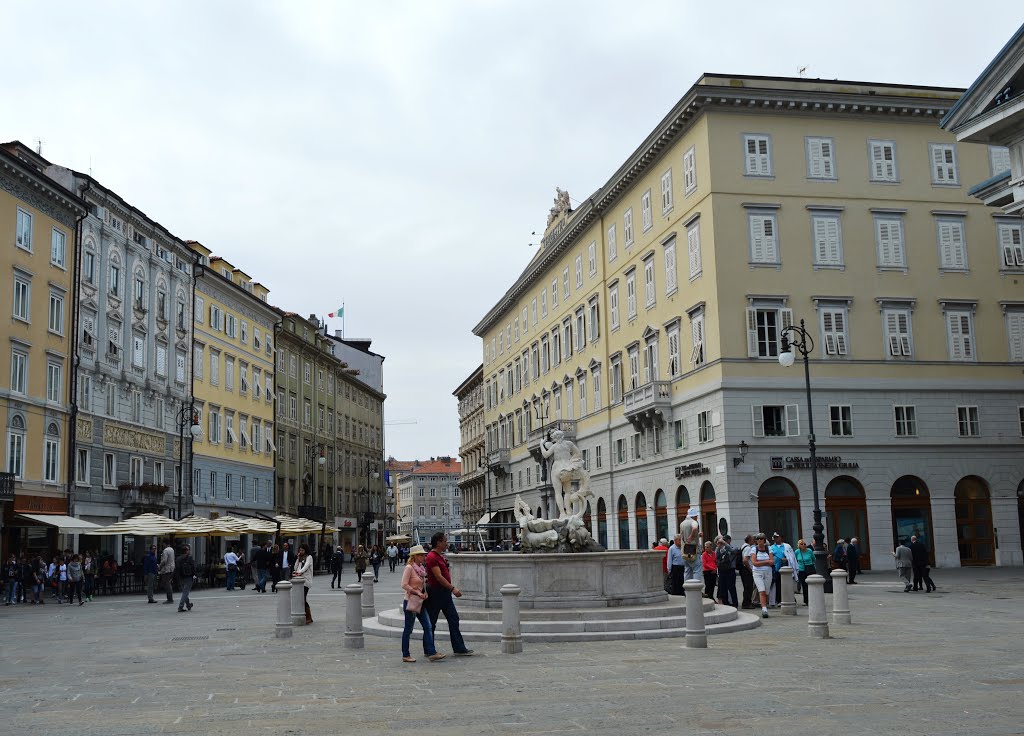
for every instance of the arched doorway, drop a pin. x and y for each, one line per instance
(912, 513)
(974, 533)
(641, 521)
(602, 523)
(847, 514)
(682, 506)
(778, 509)
(660, 515)
(624, 523)
(708, 511)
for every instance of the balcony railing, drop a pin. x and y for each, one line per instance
(145, 495)
(649, 404)
(498, 460)
(6, 486)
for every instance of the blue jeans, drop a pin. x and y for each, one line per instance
(12, 589)
(261, 580)
(693, 570)
(428, 630)
(230, 584)
(440, 600)
(186, 588)
(727, 587)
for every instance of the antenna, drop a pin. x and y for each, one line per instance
(39, 146)
(532, 235)
(802, 71)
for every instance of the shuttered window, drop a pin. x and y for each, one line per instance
(1010, 246)
(627, 227)
(898, 338)
(671, 282)
(666, 192)
(960, 330)
(161, 360)
(673, 352)
(757, 155)
(828, 250)
(697, 355)
(138, 351)
(943, 158)
(821, 162)
(889, 239)
(999, 159)
(952, 246)
(882, 156)
(179, 367)
(764, 245)
(613, 253)
(693, 249)
(764, 330)
(631, 295)
(1015, 333)
(649, 294)
(689, 171)
(833, 329)
(645, 210)
(613, 305)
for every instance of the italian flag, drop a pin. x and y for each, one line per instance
(339, 313)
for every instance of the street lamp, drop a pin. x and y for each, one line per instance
(187, 417)
(797, 337)
(372, 469)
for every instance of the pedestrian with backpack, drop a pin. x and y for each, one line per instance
(729, 563)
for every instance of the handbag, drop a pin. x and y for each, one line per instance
(414, 604)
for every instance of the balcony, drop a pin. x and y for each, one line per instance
(650, 405)
(498, 461)
(112, 360)
(6, 486)
(145, 497)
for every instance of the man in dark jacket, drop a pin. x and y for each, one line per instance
(282, 564)
(150, 568)
(919, 550)
(337, 565)
(262, 559)
(852, 561)
(185, 569)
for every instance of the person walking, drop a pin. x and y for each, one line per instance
(919, 550)
(89, 575)
(11, 570)
(784, 556)
(853, 561)
(359, 558)
(376, 560)
(62, 579)
(74, 582)
(839, 555)
(414, 583)
(441, 593)
(150, 569)
(709, 566)
(261, 559)
(904, 564)
(30, 581)
(763, 566)
(392, 552)
(746, 574)
(728, 558)
(689, 529)
(805, 566)
(337, 566)
(304, 570)
(230, 568)
(185, 568)
(166, 572)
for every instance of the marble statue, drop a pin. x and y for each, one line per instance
(566, 466)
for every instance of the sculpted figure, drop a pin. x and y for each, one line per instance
(538, 535)
(566, 466)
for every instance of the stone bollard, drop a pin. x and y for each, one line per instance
(368, 607)
(283, 629)
(511, 628)
(353, 616)
(298, 603)
(840, 598)
(788, 598)
(696, 632)
(817, 618)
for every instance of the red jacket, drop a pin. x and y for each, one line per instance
(664, 557)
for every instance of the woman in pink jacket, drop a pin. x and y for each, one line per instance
(414, 584)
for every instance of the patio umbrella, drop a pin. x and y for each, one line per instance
(149, 525)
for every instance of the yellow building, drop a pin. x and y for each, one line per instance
(650, 322)
(38, 262)
(233, 386)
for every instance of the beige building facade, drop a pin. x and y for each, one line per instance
(473, 483)
(649, 325)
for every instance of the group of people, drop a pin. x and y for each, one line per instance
(361, 557)
(912, 560)
(66, 577)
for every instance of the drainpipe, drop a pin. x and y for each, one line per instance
(277, 412)
(197, 271)
(70, 467)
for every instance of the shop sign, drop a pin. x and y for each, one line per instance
(685, 471)
(40, 505)
(825, 462)
(347, 523)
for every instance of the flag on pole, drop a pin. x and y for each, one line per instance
(339, 313)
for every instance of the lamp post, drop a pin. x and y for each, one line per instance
(373, 470)
(797, 337)
(317, 458)
(187, 417)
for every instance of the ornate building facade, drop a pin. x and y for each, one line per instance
(473, 483)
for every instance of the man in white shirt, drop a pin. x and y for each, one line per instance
(392, 556)
(231, 566)
(689, 530)
(166, 570)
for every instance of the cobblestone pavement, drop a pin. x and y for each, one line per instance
(949, 662)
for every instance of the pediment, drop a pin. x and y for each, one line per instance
(1002, 80)
(650, 332)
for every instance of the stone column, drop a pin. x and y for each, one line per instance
(632, 527)
(817, 619)
(353, 616)
(298, 603)
(840, 598)
(673, 521)
(696, 632)
(368, 606)
(511, 628)
(788, 601)
(283, 628)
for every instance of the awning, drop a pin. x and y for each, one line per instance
(486, 518)
(64, 523)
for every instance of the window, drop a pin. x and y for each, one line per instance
(764, 246)
(565, 283)
(55, 322)
(291, 366)
(620, 451)
(666, 192)
(758, 155)
(179, 366)
(135, 471)
(85, 393)
(897, 329)
(967, 421)
(693, 249)
(543, 304)
(567, 338)
(19, 372)
(111, 399)
(679, 434)
(23, 237)
(89, 267)
(612, 246)
(841, 420)
(689, 170)
(651, 372)
(705, 428)
(114, 338)
(198, 310)
(634, 367)
(999, 159)
(16, 445)
(1015, 333)
(137, 407)
(627, 227)
(244, 334)
(613, 305)
(580, 333)
(595, 329)
(615, 379)
(828, 242)
(229, 373)
(645, 213)
(673, 350)
(631, 294)
(775, 420)
(597, 456)
(139, 292)
(307, 413)
(230, 325)
(243, 378)
(596, 380)
(257, 344)
(671, 282)
(533, 311)
(834, 330)
(556, 347)
(54, 382)
(952, 245)
(1020, 416)
(1010, 245)
(882, 160)
(22, 298)
(216, 318)
(960, 331)
(58, 248)
(515, 330)
(579, 272)
(764, 330)
(906, 421)
(82, 465)
(161, 307)
(109, 469)
(138, 351)
(649, 294)
(554, 298)
(592, 267)
(114, 284)
(214, 436)
(697, 355)
(158, 413)
(637, 446)
(889, 239)
(545, 354)
(821, 162)
(943, 158)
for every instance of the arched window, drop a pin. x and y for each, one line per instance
(51, 454)
(660, 515)
(623, 518)
(16, 446)
(641, 521)
(602, 523)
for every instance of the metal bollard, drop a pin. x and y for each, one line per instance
(298, 603)
(788, 598)
(353, 616)
(368, 607)
(696, 632)
(817, 619)
(840, 598)
(511, 627)
(283, 629)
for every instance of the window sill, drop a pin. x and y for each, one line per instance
(823, 179)
(1015, 271)
(829, 267)
(695, 276)
(764, 177)
(759, 264)
(688, 192)
(892, 269)
(888, 182)
(674, 290)
(954, 270)
(946, 185)
(666, 213)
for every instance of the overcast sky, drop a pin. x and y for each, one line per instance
(396, 156)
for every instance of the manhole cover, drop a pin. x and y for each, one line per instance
(190, 638)
(227, 629)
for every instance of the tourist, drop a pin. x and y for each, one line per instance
(763, 566)
(783, 555)
(185, 568)
(11, 576)
(728, 558)
(89, 575)
(440, 592)
(904, 564)
(919, 550)
(690, 532)
(74, 580)
(675, 566)
(839, 555)
(262, 559)
(337, 565)
(359, 558)
(746, 575)
(62, 578)
(853, 561)
(32, 580)
(304, 570)
(284, 558)
(166, 572)
(662, 546)
(805, 566)
(230, 568)
(150, 569)
(376, 560)
(392, 552)
(414, 579)
(709, 566)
